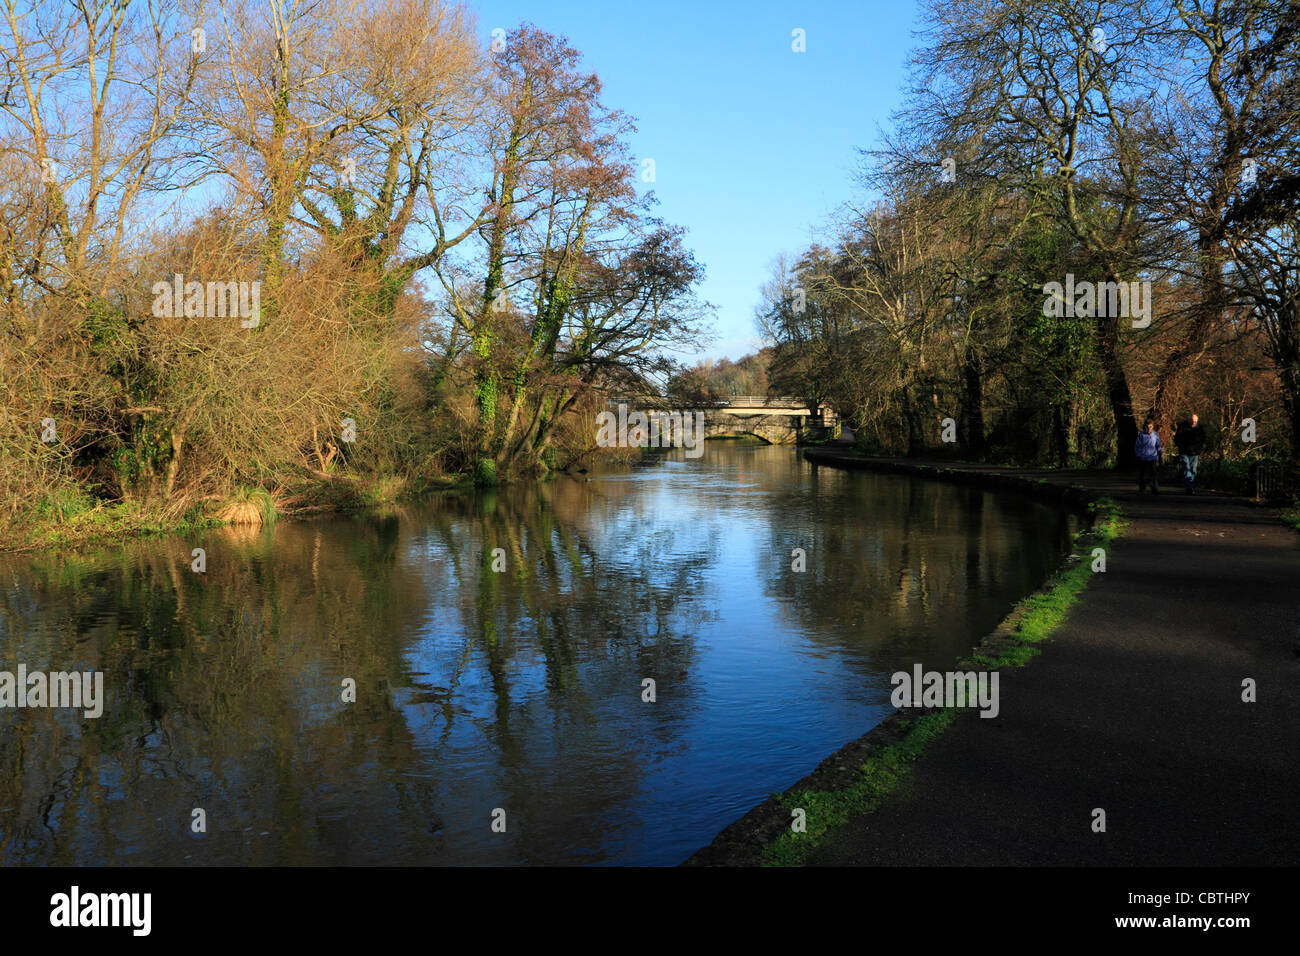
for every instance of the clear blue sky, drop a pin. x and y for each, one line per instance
(754, 145)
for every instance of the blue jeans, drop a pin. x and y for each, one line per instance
(1190, 463)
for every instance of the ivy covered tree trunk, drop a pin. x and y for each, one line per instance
(542, 342)
(485, 394)
(486, 379)
(282, 188)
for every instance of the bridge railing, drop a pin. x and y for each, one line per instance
(763, 401)
(748, 401)
(1274, 482)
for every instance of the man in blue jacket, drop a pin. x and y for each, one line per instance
(1147, 448)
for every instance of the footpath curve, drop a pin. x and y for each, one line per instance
(1134, 706)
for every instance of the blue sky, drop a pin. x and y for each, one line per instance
(754, 145)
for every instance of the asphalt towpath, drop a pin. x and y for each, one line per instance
(1134, 706)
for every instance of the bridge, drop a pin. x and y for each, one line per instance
(776, 420)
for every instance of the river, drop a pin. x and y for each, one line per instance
(499, 646)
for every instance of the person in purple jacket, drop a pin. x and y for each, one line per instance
(1149, 455)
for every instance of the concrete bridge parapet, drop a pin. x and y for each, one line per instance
(776, 420)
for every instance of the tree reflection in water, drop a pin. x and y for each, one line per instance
(476, 689)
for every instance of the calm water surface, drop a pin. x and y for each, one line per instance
(477, 690)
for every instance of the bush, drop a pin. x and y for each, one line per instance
(248, 506)
(64, 503)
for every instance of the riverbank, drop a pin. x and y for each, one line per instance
(1134, 707)
(80, 524)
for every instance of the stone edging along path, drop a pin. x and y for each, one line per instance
(1135, 708)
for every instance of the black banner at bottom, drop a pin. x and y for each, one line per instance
(923, 906)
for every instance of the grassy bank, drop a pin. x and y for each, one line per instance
(95, 525)
(1292, 517)
(70, 521)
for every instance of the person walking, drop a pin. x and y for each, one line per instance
(1149, 455)
(1189, 439)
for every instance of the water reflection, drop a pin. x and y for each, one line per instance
(477, 689)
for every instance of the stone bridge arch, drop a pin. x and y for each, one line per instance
(775, 420)
(773, 429)
(778, 421)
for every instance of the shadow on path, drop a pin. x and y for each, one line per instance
(1134, 706)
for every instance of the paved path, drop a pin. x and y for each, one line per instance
(1134, 706)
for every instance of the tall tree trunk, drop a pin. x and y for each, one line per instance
(915, 440)
(974, 369)
(486, 379)
(1117, 390)
(485, 394)
(545, 334)
(1209, 311)
(1061, 433)
(177, 449)
(1284, 349)
(282, 181)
